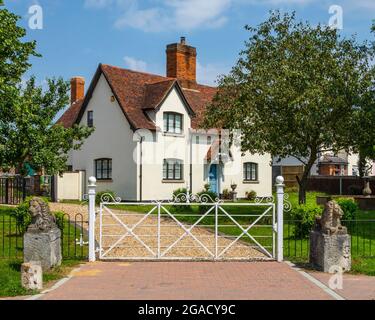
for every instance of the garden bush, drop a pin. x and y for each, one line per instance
(349, 207)
(206, 197)
(251, 195)
(180, 196)
(22, 216)
(60, 217)
(305, 218)
(226, 194)
(99, 195)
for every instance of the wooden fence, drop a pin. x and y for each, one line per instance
(338, 185)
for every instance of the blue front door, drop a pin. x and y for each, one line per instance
(213, 178)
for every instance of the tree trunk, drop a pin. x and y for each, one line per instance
(303, 181)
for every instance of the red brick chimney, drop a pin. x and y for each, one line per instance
(77, 89)
(182, 61)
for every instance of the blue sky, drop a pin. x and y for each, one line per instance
(77, 35)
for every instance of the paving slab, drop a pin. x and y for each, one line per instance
(354, 287)
(187, 281)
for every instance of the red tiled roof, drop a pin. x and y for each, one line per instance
(156, 92)
(137, 91)
(70, 115)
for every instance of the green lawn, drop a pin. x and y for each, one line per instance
(11, 247)
(11, 242)
(10, 278)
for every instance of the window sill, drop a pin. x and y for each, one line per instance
(104, 180)
(250, 182)
(172, 181)
(171, 134)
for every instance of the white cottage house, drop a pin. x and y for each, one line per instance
(147, 140)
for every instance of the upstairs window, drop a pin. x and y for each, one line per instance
(250, 171)
(173, 122)
(103, 169)
(90, 119)
(173, 169)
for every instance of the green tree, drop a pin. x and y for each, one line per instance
(27, 112)
(296, 90)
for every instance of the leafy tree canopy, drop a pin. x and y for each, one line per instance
(28, 133)
(296, 90)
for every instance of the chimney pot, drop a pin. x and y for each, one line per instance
(77, 89)
(183, 40)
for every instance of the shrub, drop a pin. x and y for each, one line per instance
(99, 195)
(206, 197)
(22, 216)
(251, 195)
(349, 207)
(180, 196)
(305, 216)
(60, 217)
(226, 194)
(293, 189)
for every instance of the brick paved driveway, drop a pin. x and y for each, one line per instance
(187, 280)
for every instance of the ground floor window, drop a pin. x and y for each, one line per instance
(173, 169)
(250, 171)
(103, 169)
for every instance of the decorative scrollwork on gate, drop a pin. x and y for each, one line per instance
(194, 198)
(271, 199)
(109, 198)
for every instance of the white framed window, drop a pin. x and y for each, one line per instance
(173, 169)
(250, 171)
(173, 122)
(103, 169)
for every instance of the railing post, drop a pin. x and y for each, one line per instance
(92, 192)
(280, 217)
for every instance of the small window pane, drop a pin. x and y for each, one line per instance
(90, 119)
(178, 123)
(251, 171)
(103, 169)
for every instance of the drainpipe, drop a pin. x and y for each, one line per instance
(191, 161)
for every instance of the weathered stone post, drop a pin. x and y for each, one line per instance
(32, 275)
(329, 241)
(92, 193)
(42, 241)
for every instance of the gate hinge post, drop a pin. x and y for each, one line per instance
(280, 217)
(92, 194)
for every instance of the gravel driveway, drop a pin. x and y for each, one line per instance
(145, 242)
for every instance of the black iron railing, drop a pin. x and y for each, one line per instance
(73, 237)
(297, 245)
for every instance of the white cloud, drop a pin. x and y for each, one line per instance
(135, 64)
(161, 15)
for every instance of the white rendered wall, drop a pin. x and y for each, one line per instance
(112, 138)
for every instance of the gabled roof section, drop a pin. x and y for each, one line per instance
(155, 93)
(137, 92)
(70, 115)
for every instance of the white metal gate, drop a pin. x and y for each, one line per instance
(187, 228)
